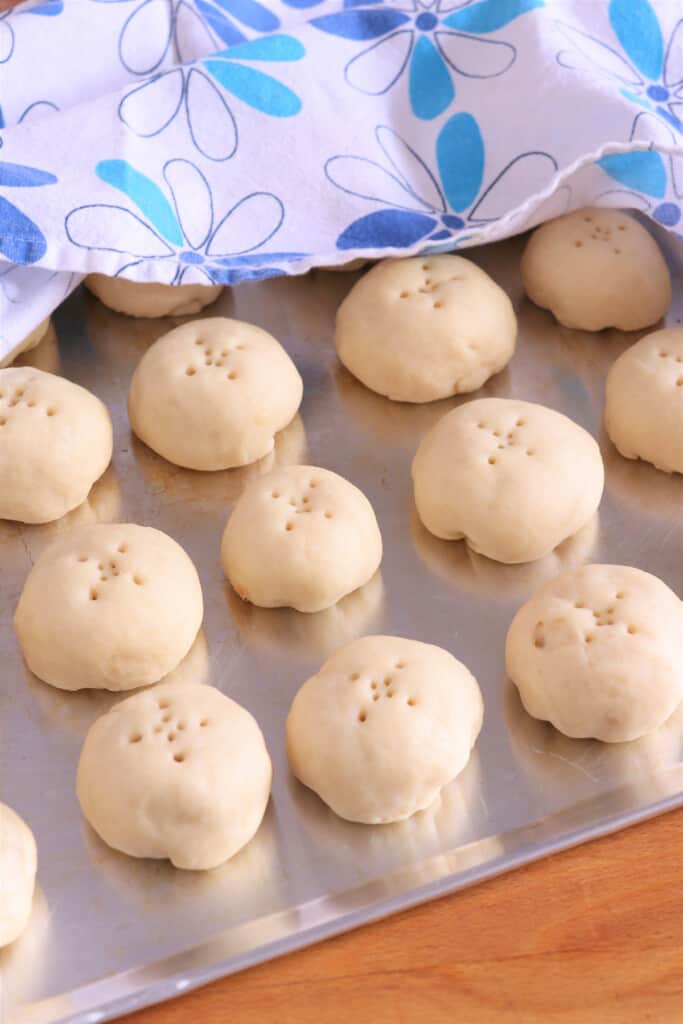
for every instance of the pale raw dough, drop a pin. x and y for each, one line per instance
(179, 772)
(149, 299)
(301, 537)
(644, 400)
(425, 328)
(31, 341)
(383, 726)
(213, 394)
(599, 653)
(513, 479)
(18, 863)
(55, 442)
(109, 606)
(597, 268)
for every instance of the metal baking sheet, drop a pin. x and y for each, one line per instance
(109, 933)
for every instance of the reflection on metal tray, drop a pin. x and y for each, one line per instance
(110, 933)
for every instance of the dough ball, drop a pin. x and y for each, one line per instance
(644, 406)
(31, 341)
(599, 653)
(513, 479)
(425, 328)
(55, 442)
(147, 299)
(109, 606)
(179, 771)
(597, 268)
(383, 726)
(18, 863)
(301, 537)
(213, 393)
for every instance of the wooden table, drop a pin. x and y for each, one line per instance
(590, 936)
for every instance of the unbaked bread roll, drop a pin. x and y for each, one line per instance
(150, 299)
(31, 341)
(597, 268)
(18, 863)
(599, 653)
(383, 726)
(424, 328)
(55, 442)
(109, 606)
(213, 394)
(513, 479)
(179, 772)
(301, 537)
(644, 400)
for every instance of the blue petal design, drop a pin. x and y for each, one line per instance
(361, 24)
(490, 15)
(667, 213)
(386, 229)
(634, 98)
(223, 28)
(2, 119)
(431, 89)
(642, 170)
(277, 47)
(638, 31)
(21, 241)
(20, 176)
(460, 156)
(48, 9)
(257, 259)
(439, 236)
(147, 196)
(258, 90)
(251, 13)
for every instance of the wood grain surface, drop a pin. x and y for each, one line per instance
(590, 936)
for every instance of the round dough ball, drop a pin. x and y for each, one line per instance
(644, 400)
(213, 393)
(383, 726)
(301, 537)
(31, 341)
(513, 479)
(179, 772)
(425, 328)
(18, 864)
(109, 606)
(599, 653)
(55, 442)
(597, 268)
(142, 298)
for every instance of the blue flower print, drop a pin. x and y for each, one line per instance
(650, 180)
(419, 207)
(643, 69)
(48, 9)
(191, 29)
(182, 235)
(431, 41)
(21, 240)
(150, 107)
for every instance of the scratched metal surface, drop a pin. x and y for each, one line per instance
(110, 933)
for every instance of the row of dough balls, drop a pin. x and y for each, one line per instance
(209, 395)
(181, 771)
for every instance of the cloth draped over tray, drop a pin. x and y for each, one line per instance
(217, 141)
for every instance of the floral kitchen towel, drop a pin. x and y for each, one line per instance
(226, 140)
